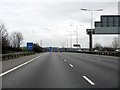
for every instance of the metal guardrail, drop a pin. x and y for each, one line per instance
(15, 55)
(117, 54)
(107, 53)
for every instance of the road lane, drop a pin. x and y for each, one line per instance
(104, 74)
(48, 71)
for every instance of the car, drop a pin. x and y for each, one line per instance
(96, 50)
(117, 50)
(79, 50)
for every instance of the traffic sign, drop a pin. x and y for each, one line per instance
(30, 46)
(109, 24)
(76, 45)
(50, 49)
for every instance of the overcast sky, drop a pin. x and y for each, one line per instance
(50, 20)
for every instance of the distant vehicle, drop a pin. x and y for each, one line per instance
(118, 50)
(79, 50)
(96, 50)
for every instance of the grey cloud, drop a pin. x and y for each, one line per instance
(48, 20)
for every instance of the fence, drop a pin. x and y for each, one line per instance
(15, 55)
(103, 53)
(117, 54)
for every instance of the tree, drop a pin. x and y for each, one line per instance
(97, 46)
(37, 48)
(4, 38)
(16, 39)
(107, 48)
(4, 35)
(115, 43)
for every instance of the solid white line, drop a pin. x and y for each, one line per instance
(2, 74)
(88, 80)
(71, 65)
(65, 60)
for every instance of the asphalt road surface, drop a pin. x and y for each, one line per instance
(61, 70)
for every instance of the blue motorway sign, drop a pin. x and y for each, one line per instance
(30, 46)
(50, 49)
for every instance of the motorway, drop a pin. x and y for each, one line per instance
(60, 70)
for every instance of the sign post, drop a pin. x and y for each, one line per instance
(77, 45)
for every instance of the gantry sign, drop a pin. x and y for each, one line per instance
(109, 24)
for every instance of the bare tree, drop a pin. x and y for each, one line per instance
(4, 35)
(4, 41)
(98, 46)
(115, 43)
(16, 39)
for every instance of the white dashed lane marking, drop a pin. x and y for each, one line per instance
(92, 83)
(65, 60)
(71, 65)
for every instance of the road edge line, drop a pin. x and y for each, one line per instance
(8, 71)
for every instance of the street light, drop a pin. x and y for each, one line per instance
(70, 40)
(66, 40)
(90, 35)
(85, 9)
(76, 34)
(70, 35)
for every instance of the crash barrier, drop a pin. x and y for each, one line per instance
(15, 55)
(103, 53)
(117, 54)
